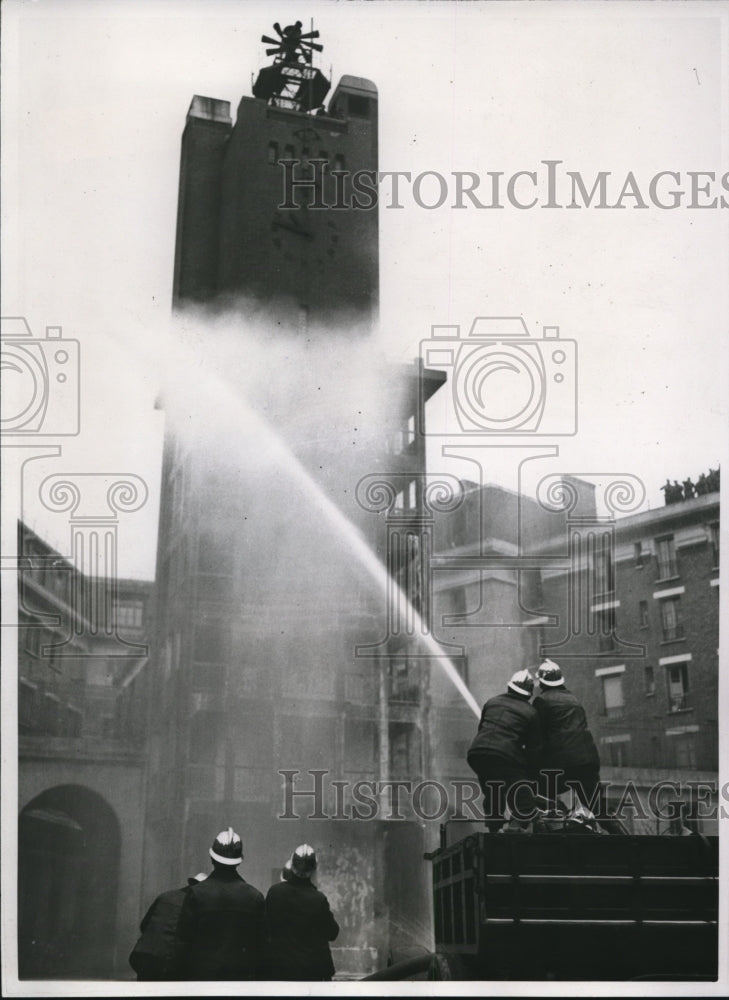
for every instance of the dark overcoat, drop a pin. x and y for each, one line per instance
(154, 956)
(509, 729)
(220, 931)
(567, 741)
(299, 927)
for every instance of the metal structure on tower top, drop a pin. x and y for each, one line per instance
(291, 81)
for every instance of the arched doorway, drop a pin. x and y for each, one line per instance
(68, 881)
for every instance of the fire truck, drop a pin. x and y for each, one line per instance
(568, 905)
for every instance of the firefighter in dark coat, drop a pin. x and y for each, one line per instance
(155, 955)
(505, 755)
(568, 746)
(299, 923)
(220, 932)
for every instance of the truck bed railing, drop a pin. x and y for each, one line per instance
(502, 905)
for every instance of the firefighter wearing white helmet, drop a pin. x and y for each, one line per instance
(505, 754)
(303, 861)
(299, 923)
(568, 746)
(221, 927)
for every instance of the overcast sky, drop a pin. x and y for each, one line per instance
(94, 98)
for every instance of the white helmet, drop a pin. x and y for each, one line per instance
(303, 861)
(227, 848)
(550, 675)
(522, 682)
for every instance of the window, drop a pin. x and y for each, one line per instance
(411, 428)
(612, 687)
(671, 619)
(714, 540)
(643, 614)
(404, 680)
(339, 162)
(409, 573)
(666, 554)
(678, 687)
(129, 614)
(607, 643)
(273, 152)
(359, 107)
(412, 495)
(615, 749)
(604, 582)
(618, 754)
(306, 170)
(649, 680)
(288, 153)
(638, 553)
(604, 623)
(404, 751)
(32, 640)
(683, 746)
